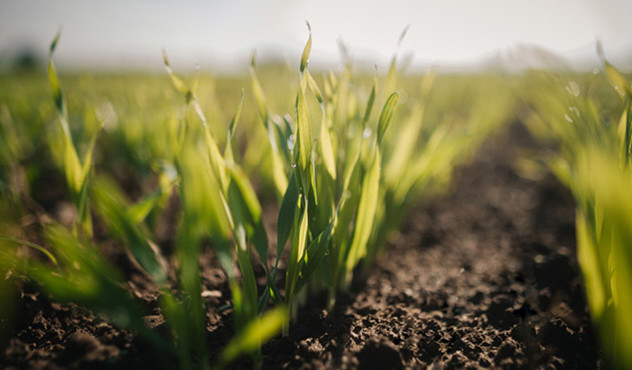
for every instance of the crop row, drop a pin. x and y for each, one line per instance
(587, 121)
(344, 165)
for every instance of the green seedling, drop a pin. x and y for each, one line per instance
(77, 173)
(347, 159)
(593, 160)
(220, 203)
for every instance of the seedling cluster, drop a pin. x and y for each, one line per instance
(343, 173)
(590, 128)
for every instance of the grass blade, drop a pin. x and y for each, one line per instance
(177, 82)
(114, 214)
(256, 332)
(369, 104)
(45, 251)
(386, 115)
(618, 81)
(285, 220)
(307, 50)
(366, 210)
(228, 151)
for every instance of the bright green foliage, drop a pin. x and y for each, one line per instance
(347, 173)
(385, 116)
(220, 204)
(591, 131)
(76, 173)
(120, 219)
(343, 157)
(276, 135)
(256, 332)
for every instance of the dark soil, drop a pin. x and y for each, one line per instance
(483, 277)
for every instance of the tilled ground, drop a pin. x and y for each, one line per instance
(483, 277)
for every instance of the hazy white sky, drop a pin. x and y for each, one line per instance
(222, 34)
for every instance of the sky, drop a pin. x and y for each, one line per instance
(221, 35)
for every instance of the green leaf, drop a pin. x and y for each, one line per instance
(314, 87)
(76, 174)
(618, 81)
(405, 144)
(257, 90)
(314, 255)
(369, 104)
(139, 211)
(589, 260)
(366, 211)
(204, 215)
(87, 160)
(180, 323)
(246, 210)
(253, 335)
(314, 193)
(402, 35)
(53, 44)
(285, 219)
(302, 233)
(32, 245)
(303, 133)
(248, 307)
(297, 250)
(406, 141)
(216, 160)
(83, 213)
(385, 116)
(215, 156)
(188, 247)
(326, 149)
(278, 168)
(202, 199)
(114, 214)
(72, 167)
(278, 173)
(391, 77)
(228, 151)
(306, 50)
(244, 189)
(58, 96)
(177, 82)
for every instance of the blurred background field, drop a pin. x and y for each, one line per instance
(220, 36)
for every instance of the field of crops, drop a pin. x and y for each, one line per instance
(296, 218)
